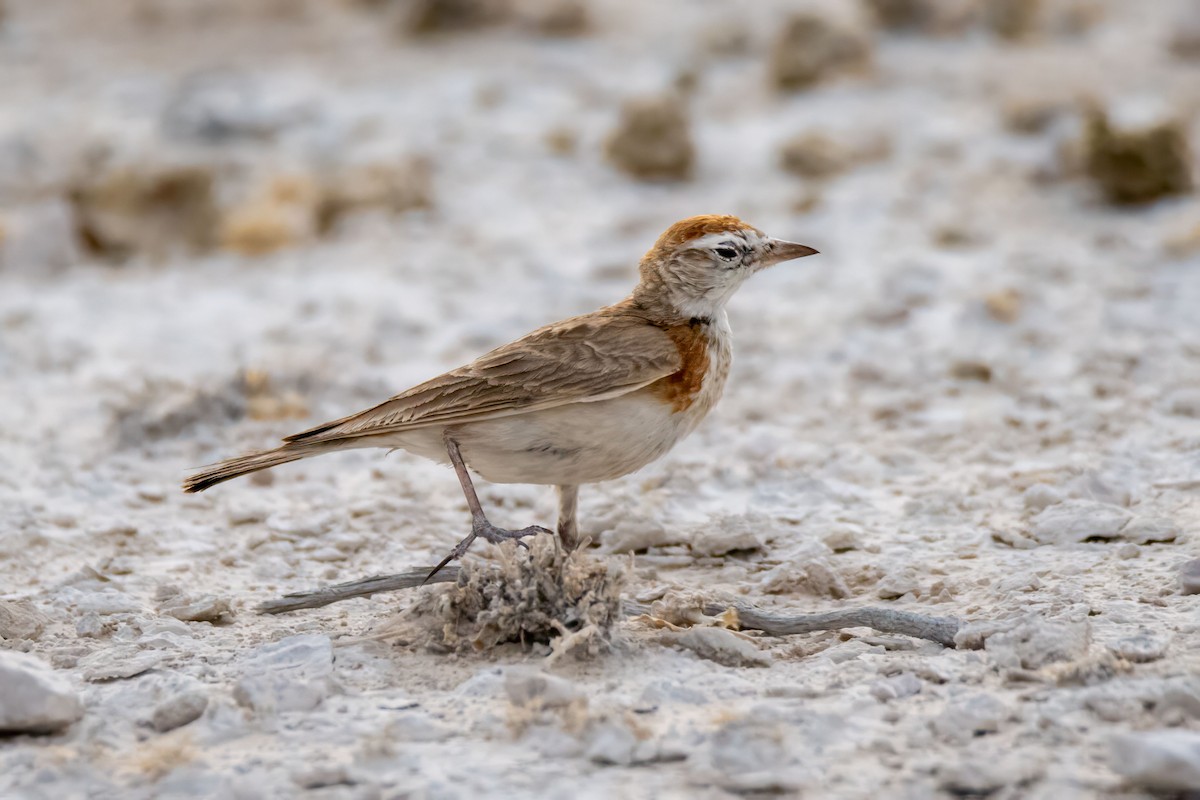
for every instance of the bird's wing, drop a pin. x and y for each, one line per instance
(579, 360)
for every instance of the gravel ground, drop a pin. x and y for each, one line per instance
(221, 222)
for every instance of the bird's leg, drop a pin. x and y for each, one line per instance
(480, 527)
(568, 526)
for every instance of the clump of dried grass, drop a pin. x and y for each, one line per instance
(539, 595)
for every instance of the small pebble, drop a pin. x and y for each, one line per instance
(33, 697)
(177, 711)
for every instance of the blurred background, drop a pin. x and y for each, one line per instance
(222, 221)
(219, 212)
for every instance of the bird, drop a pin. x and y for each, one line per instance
(584, 400)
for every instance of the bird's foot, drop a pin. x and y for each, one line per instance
(482, 529)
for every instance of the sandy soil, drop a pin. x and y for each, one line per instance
(981, 401)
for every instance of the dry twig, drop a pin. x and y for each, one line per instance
(885, 620)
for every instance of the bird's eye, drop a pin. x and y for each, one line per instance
(727, 253)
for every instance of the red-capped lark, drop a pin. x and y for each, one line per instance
(580, 401)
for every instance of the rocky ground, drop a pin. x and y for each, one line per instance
(223, 221)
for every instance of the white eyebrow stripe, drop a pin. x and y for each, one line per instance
(736, 238)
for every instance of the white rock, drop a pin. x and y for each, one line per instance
(1167, 761)
(610, 742)
(106, 603)
(1040, 496)
(1141, 648)
(34, 698)
(527, 687)
(119, 662)
(178, 710)
(1078, 520)
(752, 755)
(720, 645)
(1143, 530)
(1034, 643)
(293, 674)
(206, 608)
(19, 619)
(716, 540)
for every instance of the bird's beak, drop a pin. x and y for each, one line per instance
(779, 251)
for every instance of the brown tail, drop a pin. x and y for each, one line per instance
(244, 465)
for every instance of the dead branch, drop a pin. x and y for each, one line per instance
(885, 620)
(363, 587)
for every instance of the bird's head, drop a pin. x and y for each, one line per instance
(699, 262)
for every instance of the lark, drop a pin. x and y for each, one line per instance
(584, 400)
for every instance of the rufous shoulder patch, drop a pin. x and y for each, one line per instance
(681, 388)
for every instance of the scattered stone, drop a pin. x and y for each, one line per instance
(392, 185)
(90, 626)
(117, 663)
(1078, 521)
(982, 775)
(1184, 403)
(1128, 551)
(558, 17)
(1012, 19)
(970, 369)
(1189, 577)
(896, 687)
(1003, 305)
(428, 17)
(529, 687)
(814, 155)
(652, 141)
(727, 535)
(1137, 165)
(814, 576)
(610, 742)
(20, 619)
(755, 755)
(33, 698)
(719, 645)
(1041, 496)
(282, 215)
(206, 608)
(145, 208)
(293, 674)
(967, 717)
(1141, 648)
(895, 585)
(1034, 643)
(105, 603)
(1145, 530)
(812, 49)
(178, 710)
(937, 17)
(1165, 760)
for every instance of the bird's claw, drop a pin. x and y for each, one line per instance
(490, 533)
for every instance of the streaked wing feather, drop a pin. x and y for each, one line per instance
(579, 360)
